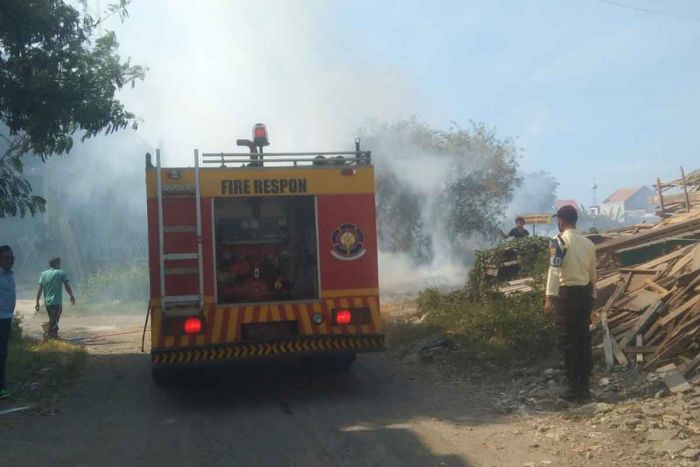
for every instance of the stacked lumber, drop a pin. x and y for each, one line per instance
(674, 226)
(681, 228)
(518, 286)
(650, 313)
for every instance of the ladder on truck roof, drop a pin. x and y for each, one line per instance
(180, 305)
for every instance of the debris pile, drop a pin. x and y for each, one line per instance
(648, 306)
(665, 428)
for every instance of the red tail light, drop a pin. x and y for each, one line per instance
(343, 317)
(193, 326)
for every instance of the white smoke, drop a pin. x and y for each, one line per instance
(217, 69)
(535, 195)
(423, 173)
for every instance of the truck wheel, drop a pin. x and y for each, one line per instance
(161, 376)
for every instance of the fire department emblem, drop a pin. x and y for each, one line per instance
(348, 242)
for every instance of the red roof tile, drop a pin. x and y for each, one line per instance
(622, 195)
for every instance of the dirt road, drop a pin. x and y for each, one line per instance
(382, 413)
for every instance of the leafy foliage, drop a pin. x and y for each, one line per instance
(40, 371)
(447, 185)
(531, 253)
(490, 326)
(15, 192)
(400, 214)
(56, 79)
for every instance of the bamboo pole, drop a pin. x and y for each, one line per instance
(661, 196)
(685, 190)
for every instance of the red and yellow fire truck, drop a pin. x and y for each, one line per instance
(256, 255)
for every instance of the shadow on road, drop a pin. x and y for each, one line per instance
(273, 414)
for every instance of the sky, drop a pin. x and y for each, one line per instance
(591, 91)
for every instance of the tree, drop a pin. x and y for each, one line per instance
(57, 80)
(438, 189)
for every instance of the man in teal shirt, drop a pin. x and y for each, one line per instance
(8, 300)
(51, 282)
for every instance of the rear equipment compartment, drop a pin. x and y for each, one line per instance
(266, 249)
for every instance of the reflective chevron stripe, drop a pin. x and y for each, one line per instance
(256, 349)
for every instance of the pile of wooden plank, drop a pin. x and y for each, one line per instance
(518, 286)
(679, 225)
(650, 313)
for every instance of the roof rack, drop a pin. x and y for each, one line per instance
(324, 159)
(354, 158)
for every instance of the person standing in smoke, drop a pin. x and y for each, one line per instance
(51, 282)
(571, 283)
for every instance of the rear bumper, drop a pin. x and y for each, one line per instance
(300, 346)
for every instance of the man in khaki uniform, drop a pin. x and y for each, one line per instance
(571, 286)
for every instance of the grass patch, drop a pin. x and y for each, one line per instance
(38, 372)
(488, 327)
(497, 330)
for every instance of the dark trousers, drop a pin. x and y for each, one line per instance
(573, 318)
(4, 341)
(54, 312)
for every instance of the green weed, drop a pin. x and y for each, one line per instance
(39, 372)
(121, 284)
(495, 330)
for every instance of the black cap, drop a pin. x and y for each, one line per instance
(568, 214)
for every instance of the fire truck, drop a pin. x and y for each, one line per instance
(257, 255)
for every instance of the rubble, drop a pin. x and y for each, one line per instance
(649, 313)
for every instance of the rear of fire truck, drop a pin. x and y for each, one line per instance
(262, 255)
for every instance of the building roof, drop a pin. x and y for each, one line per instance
(558, 203)
(623, 194)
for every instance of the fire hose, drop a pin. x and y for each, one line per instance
(145, 325)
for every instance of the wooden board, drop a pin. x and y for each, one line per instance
(696, 258)
(638, 278)
(682, 263)
(637, 301)
(679, 311)
(639, 355)
(644, 321)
